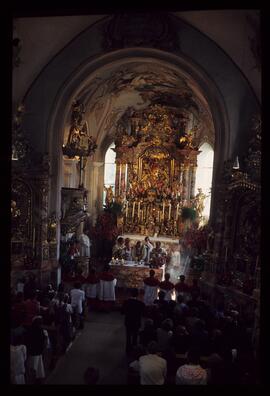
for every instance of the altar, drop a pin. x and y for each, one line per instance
(131, 275)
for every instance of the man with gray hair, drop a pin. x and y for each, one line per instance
(152, 367)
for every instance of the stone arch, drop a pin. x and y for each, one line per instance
(66, 75)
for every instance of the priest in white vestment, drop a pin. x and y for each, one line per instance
(174, 267)
(107, 283)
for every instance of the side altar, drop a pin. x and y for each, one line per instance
(156, 163)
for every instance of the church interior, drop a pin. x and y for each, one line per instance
(136, 146)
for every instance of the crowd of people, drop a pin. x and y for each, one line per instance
(187, 341)
(43, 324)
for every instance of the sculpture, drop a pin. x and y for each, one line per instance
(109, 195)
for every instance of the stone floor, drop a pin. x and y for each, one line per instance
(101, 344)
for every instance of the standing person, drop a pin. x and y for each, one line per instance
(133, 310)
(92, 289)
(77, 302)
(36, 341)
(17, 360)
(107, 283)
(127, 250)
(152, 367)
(139, 252)
(191, 373)
(174, 266)
(151, 285)
(118, 248)
(149, 247)
(31, 309)
(63, 320)
(158, 255)
(182, 288)
(167, 287)
(20, 286)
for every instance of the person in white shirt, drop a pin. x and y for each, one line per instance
(191, 373)
(17, 361)
(77, 302)
(152, 367)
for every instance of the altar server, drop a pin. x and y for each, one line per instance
(92, 288)
(151, 285)
(107, 283)
(167, 287)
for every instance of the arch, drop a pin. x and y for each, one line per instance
(68, 73)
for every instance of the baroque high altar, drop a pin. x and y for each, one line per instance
(155, 171)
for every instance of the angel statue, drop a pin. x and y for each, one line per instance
(199, 202)
(109, 195)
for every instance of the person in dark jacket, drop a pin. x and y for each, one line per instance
(133, 310)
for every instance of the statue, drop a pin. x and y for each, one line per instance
(199, 202)
(84, 245)
(109, 195)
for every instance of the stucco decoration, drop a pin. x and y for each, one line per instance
(140, 29)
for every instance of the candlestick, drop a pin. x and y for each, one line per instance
(163, 210)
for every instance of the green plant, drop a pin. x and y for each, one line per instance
(188, 213)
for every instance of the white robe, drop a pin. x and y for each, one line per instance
(107, 290)
(92, 290)
(168, 294)
(174, 267)
(150, 294)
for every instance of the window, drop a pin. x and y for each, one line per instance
(109, 169)
(204, 175)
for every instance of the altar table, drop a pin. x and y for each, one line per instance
(131, 275)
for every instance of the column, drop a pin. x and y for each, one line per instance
(193, 180)
(95, 186)
(117, 179)
(185, 181)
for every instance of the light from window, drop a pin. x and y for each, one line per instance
(109, 169)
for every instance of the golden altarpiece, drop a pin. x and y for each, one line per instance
(155, 172)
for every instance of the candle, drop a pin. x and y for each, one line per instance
(127, 210)
(163, 210)
(170, 208)
(133, 210)
(139, 204)
(177, 207)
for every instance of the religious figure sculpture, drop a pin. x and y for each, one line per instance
(109, 195)
(85, 245)
(199, 202)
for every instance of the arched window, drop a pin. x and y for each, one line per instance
(109, 169)
(204, 175)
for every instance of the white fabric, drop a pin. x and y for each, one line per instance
(149, 248)
(84, 245)
(191, 374)
(150, 294)
(107, 290)
(174, 268)
(153, 370)
(36, 363)
(168, 294)
(77, 298)
(92, 290)
(17, 363)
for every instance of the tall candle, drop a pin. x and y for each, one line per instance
(133, 210)
(163, 210)
(177, 207)
(139, 204)
(170, 208)
(127, 210)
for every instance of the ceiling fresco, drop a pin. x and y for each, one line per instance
(113, 94)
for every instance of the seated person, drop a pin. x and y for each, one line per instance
(151, 285)
(152, 367)
(158, 256)
(167, 287)
(191, 373)
(118, 248)
(148, 334)
(139, 252)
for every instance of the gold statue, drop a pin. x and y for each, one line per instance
(199, 202)
(109, 195)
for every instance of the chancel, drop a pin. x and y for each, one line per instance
(135, 198)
